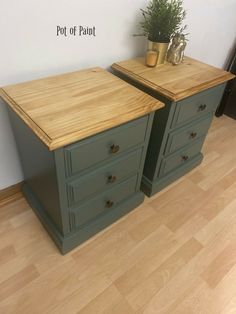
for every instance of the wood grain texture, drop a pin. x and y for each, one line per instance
(174, 82)
(66, 108)
(174, 254)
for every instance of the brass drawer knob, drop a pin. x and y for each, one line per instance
(193, 135)
(109, 204)
(185, 158)
(111, 179)
(202, 107)
(115, 149)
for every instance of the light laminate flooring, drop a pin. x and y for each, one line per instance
(176, 253)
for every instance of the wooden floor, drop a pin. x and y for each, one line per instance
(174, 254)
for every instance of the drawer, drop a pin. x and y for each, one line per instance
(105, 177)
(105, 146)
(198, 105)
(105, 202)
(182, 157)
(184, 136)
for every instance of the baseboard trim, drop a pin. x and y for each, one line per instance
(11, 193)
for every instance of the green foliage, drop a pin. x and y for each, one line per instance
(162, 18)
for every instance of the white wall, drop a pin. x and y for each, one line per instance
(10, 169)
(30, 48)
(212, 28)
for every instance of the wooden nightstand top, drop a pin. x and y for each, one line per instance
(66, 108)
(174, 82)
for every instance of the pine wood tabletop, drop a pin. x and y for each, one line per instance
(174, 82)
(66, 108)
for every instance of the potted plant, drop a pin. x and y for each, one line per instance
(162, 18)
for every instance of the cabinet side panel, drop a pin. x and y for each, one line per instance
(156, 141)
(38, 168)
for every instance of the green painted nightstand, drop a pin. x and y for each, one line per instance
(82, 139)
(191, 93)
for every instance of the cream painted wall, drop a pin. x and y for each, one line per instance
(30, 48)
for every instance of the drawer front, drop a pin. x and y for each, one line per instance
(105, 146)
(198, 105)
(105, 177)
(181, 158)
(105, 202)
(187, 135)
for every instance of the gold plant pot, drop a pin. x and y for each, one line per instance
(161, 49)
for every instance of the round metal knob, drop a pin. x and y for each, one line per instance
(202, 107)
(193, 135)
(109, 204)
(185, 157)
(111, 179)
(115, 149)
